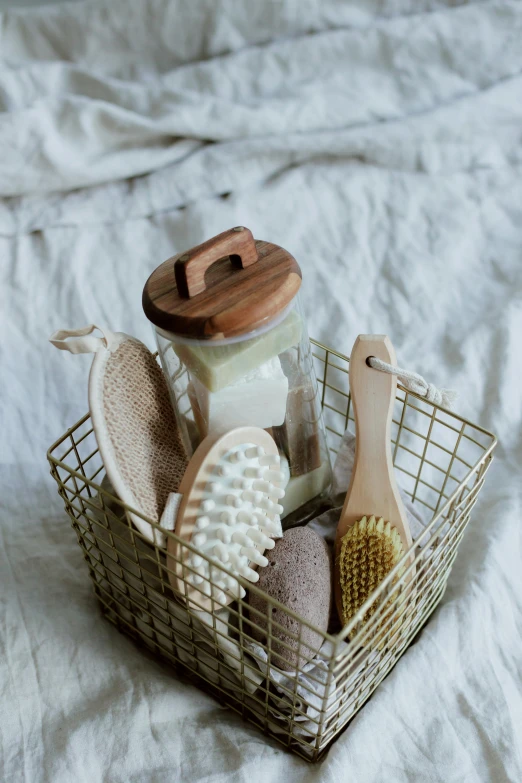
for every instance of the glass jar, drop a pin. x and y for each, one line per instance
(234, 348)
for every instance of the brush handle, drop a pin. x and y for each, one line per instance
(373, 489)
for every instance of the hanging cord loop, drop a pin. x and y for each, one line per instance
(81, 339)
(416, 383)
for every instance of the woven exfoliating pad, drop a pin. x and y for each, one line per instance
(133, 421)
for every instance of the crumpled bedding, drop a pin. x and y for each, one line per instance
(380, 143)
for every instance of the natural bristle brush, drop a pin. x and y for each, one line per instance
(230, 512)
(373, 532)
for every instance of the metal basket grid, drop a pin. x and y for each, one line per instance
(441, 460)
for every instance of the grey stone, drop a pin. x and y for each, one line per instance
(299, 575)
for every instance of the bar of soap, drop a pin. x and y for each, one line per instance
(218, 366)
(258, 399)
(301, 489)
(298, 575)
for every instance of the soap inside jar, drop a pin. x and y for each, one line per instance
(265, 379)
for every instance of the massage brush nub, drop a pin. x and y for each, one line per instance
(229, 513)
(373, 532)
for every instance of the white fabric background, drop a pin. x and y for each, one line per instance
(380, 142)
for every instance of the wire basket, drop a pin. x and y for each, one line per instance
(441, 460)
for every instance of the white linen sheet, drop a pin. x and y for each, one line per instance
(380, 142)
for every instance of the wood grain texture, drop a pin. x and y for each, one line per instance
(373, 489)
(199, 472)
(235, 300)
(189, 269)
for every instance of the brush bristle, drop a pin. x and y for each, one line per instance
(238, 518)
(369, 551)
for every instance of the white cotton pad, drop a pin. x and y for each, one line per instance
(301, 489)
(258, 399)
(133, 421)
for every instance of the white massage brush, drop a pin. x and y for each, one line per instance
(230, 512)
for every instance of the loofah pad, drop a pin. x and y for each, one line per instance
(369, 551)
(133, 420)
(142, 431)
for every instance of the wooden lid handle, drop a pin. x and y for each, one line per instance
(190, 267)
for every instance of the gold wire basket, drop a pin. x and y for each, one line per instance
(441, 461)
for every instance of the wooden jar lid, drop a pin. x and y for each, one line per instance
(228, 286)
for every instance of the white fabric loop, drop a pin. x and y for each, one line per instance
(170, 512)
(83, 342)
(414, 382)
